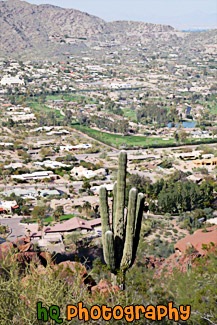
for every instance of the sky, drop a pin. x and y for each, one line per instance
(181, 14)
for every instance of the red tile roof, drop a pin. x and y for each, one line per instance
(95, 222)
(71, 224)
(15, 207)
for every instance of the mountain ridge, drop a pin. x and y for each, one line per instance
(50, 31)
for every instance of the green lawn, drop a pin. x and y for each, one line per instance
(130, 114)
(66, 217)
(214, 109)
(62, 218)
(118, 140)
(67, 97)
(135, 141)
(50, 219)
(42, 107)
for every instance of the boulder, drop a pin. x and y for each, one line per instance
(104, 288)
(68, 270)
(5, 248)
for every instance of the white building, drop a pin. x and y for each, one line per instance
(12, 81)
(23, 117)
(14, 166)
(50, 164)
(7, 206)
(35, 176)
(31, 193)
(80, 172)
(79, 146)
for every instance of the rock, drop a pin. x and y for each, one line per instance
(68, 270)
(26, 258)
(153, 262)
(104, 288)
(45, 258)
(28, 247)
(5, 248)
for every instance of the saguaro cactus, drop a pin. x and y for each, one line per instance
(120, 240)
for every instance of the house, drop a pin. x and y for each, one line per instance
(208, 156)
(51, 164)
(96, 226)
(212, 221)
(79, 172)
(74, 224)
(31, 193)
(33, 231)
(195, 179)
(35, 176)
(42, 128)
(95, 189)
(8, 206)
(6, 144)
(60, 132)
(188, 155)
(55, 233)
(23, 117)
(13, 166)
(76, 147)
(206, 162)
(12, 81)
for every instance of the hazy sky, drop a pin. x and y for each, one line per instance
(178, 13)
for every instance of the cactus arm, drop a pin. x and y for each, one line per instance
(120, 204)
(104, 211)
(109, 250)
(139, 211)
(129, 239)
(114, 205)
(138, 222)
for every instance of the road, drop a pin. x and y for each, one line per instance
(58, 186)
(61, 186)
(114, 153)
(17, 229)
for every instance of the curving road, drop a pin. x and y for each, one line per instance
(17, 229)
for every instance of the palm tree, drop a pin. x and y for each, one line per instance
(58, 212)
(41, 227)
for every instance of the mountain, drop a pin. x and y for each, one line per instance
(46, 31)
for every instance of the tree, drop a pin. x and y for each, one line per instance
(10, 123)
(68, 116)
(87, 206)
(176, 136)
(86, 185)
(83, 119)
(58, 212)
(39, 212)
(25, 210)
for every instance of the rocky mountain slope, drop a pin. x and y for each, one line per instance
(49, 31)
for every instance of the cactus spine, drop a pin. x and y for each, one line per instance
(120, 242)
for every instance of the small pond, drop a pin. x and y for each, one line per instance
(184, 124)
